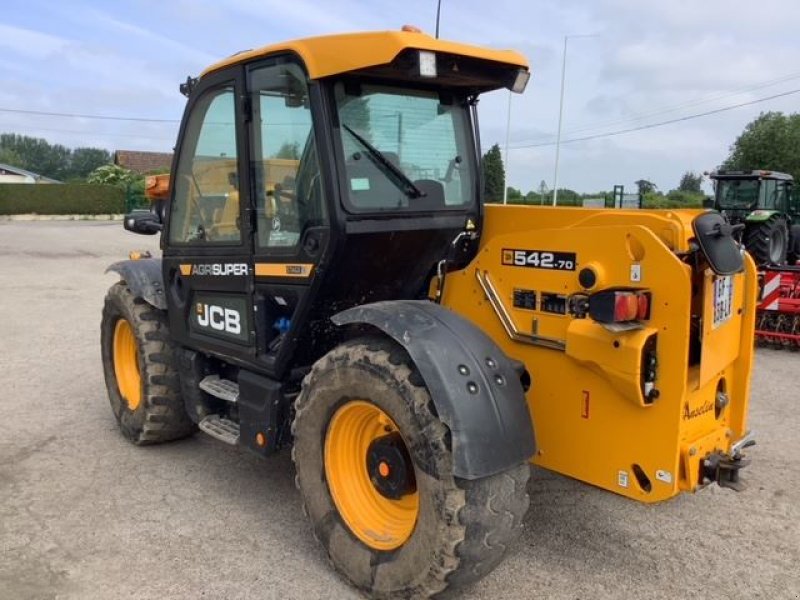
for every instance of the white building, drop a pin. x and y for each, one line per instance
(9, 174)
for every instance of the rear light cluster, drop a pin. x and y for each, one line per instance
(619, 306)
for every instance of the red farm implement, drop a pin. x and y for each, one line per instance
(778, 316)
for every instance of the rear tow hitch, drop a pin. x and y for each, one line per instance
(724, 469)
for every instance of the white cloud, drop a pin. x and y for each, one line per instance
(148, 35)
(27, 43)
(127, 59)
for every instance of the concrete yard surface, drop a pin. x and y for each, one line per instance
(84, 514)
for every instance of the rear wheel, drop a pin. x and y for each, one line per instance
(375, 471)
(140, 370)
(768, 241)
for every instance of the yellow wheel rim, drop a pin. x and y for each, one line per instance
(126, 364)
(380, 522)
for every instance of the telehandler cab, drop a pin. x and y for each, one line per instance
(332, 282)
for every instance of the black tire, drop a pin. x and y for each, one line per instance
(463, 528)
(768, 241)
(794, 244)
(160, 415)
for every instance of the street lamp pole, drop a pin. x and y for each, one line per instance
(560, 120)
(505, 158)
(561, 111)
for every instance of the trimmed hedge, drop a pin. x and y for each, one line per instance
(61, 199)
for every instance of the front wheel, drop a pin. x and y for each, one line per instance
(375, 472)
(139, 364)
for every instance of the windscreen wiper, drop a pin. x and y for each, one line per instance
(409, 187)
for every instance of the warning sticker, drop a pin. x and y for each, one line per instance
(664, 476)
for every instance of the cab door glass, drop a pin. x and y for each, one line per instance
(794, 201)
(768, 198)
(288, 191)
(782, 196)
(205, 206)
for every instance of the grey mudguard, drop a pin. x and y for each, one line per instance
(144, 278)
(474, 385)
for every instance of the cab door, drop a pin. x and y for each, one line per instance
(291, 229)
(207, 252)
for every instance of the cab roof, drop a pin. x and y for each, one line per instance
(342, 53)
(756, 174)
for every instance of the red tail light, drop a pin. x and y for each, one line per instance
(643, 310)
(625, 306)
(619, 306)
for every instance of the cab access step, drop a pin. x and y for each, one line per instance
(218, 426)
(250, 414)
(224, 389)
(221, 428)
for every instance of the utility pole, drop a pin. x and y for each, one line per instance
(438, 12)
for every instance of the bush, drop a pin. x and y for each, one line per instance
(674, 199)
(61, 199)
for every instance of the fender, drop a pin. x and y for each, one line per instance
(760, 215)
(475, 387)
(144, 278)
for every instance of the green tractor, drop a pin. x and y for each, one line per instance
(766, 203)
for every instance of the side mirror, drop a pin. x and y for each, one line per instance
(715, 236)
(708, 202)
(144, 222)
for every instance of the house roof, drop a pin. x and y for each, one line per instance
(142, 162)
(12, 170)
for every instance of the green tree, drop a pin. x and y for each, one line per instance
(9, 157)
(567, 197)
(691, 183)
(37, 155)
(645, 186)
(533, 198)
(514, 195)
(771, 142)
(290, 150)
(494, 174)
(51, 160)
(85, 160)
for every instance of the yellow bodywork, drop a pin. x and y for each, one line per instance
(328, 55)
(591, 419)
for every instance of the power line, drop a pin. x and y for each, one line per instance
(659, 124)
(85, 116)
(698, 102)
(93, 133)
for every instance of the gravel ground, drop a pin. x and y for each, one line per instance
(84, 514)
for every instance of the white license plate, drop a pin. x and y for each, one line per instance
(723, 300)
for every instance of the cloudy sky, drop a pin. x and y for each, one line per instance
(648, 62)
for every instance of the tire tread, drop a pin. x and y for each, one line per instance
(483, 518)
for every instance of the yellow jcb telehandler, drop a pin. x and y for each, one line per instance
(331, 282)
